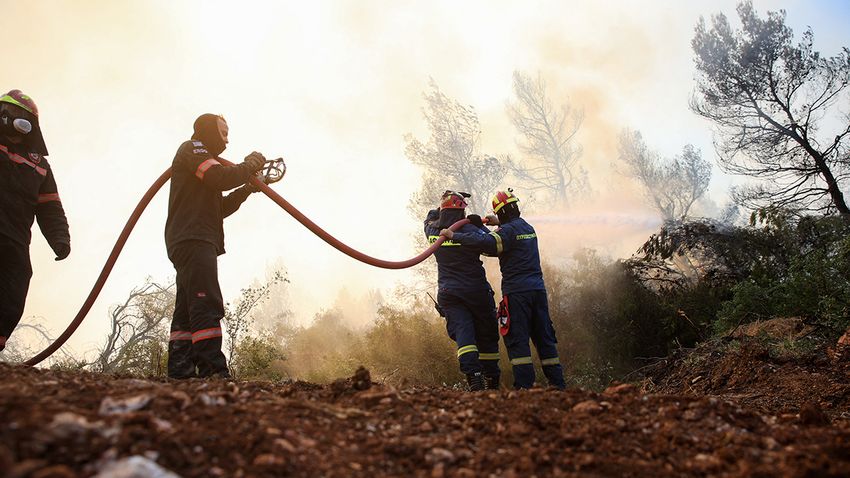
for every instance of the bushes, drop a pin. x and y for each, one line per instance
(258, 358)
(815, 286)
(604, 318)
(409, 346)
(778, 266)
(691, 279)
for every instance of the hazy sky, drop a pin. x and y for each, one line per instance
(334, 87)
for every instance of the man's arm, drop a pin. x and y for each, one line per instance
(51, 217)
(428, 224)
(231, 202)
(195, 158)
(489, 243)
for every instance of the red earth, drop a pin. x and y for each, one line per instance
(746, 416)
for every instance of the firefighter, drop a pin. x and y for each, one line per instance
(464, 296)
(523, 290)
(194, 238)
(27, 192)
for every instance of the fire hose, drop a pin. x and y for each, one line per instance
(273, 172)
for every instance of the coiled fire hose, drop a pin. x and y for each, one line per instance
(274, 196)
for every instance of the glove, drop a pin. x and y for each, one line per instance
(447, 233)
(260, 177)
(493, 220)
(475, 220)
(62, 250)
(255, 161)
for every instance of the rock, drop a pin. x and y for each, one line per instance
(181, 397)
(619, 389)
(285, 445)
(121, 406)
(308, 442)
(67, 424)
(214, 401)
(340, 386)
(587, 406)
(362, 379)
(692, 415)
(811, 414)
(134, 467)
(439, 455)
(161, 425)
(268, 459)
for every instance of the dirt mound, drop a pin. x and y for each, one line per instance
(778, 328)
(770, 367)
(63, 424)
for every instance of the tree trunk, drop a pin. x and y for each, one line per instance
(831, 184)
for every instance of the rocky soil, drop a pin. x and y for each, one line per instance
(65, 424)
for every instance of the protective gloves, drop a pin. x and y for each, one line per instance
(62, 250)
(475, 220)
(255, 161)
(260, 177)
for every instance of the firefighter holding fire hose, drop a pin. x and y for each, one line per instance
(464, 296)
(27, 192)
(524, 293)
(194, 237)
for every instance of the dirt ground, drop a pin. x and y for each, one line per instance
(64, 424)
(754, 370)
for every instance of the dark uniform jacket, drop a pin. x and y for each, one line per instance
(459, 269)
(515, 242)
(27, 192)
(196, 208)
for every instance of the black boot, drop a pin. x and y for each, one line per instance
(475, 381)
(491, 382)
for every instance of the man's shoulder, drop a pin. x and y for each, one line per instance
(192, 149)
(470, 229)
(525, 224)
(34, 158)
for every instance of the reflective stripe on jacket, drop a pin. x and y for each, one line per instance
(27, 193)
(515, 242)
(196, 208)
(458, 268)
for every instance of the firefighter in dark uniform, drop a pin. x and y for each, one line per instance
(464, 295)
(194, 237)
(27, 192)
(523, 290)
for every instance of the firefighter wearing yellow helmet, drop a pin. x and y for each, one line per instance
(523, 291)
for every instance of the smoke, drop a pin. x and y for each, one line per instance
(333, 89)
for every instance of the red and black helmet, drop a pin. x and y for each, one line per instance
(34, 138)
(17, 98)
(454, 200)
(503, 198)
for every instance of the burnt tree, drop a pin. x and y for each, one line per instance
(774, 104)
